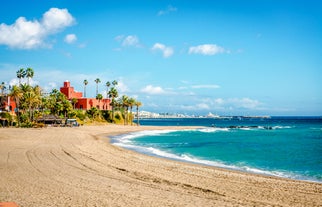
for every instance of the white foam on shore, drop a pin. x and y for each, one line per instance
(125, 142)
(126, 138)
(189, 158)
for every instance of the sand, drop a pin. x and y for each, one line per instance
(79, 167)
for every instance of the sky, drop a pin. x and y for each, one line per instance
(226, 57)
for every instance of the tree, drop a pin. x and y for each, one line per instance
(2, 88)
(125, 106)
(21, 74)
(113, 94)
(115, 83)
(74, 102)
(16, 93)
(29, 99)
(94, 112)
(131, 103)
(97, 81)
(25, 88)
(108, 84)
(138, 104)
(99, 97)
(85, 84)
(29, 73)
(58, 103)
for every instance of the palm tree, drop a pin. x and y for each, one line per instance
(74, 102)
(2, 88)
(21, 74)
(99, 97)
(29, 99)
(29, 73)
(114, 83)
(108, 84)
(38, 99)
(16, 93)
(113, 94)
(125, 105)
(25, 88)
(85, 84)
(131, 103)
(93, 112)
(138, 104)
(97, 81)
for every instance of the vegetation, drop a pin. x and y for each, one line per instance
(32, 103)
(85, 84)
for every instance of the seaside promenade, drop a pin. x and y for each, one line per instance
(79, 167)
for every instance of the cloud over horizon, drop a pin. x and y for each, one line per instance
(153, 90)
(25, 34)
(205, 86)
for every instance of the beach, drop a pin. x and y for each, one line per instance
(79, 167)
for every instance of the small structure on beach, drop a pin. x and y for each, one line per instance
(50, 120)
(71, 123)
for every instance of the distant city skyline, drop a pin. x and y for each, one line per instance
(189, 57)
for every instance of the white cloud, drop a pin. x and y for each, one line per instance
(122, 87)
(24, 34)
(206, 49)
(196, 107)
(219, 101)
(15, 82)
(131, 40)
(205, 86)
(70, 38)
(166, 51)
(168, 10)
(127, 41)
(202, 106)
(153, 90)
(119, 38)
(236, 103)
(246, 103)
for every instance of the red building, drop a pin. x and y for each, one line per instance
(82, 102)
(8, 104)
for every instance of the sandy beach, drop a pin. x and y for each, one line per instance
(79, 167)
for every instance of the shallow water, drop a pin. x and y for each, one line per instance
(280, 146)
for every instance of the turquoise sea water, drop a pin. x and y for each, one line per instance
(280, 146)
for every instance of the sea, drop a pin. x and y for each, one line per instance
(289, 147)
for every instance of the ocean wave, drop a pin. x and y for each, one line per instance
(245, 128)
(126, 138)
(243, 167)
(282, 127)
(213, 129)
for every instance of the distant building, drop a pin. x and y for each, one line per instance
(82, 102)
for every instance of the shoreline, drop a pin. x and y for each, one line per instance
(207, 163)
(80, 167)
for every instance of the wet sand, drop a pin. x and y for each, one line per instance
(79, 167)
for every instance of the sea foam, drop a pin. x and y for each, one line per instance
(125, 141)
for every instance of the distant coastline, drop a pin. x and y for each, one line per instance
(153, 115)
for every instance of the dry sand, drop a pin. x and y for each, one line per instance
(78, 167)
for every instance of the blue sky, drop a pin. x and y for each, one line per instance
(195, 57)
